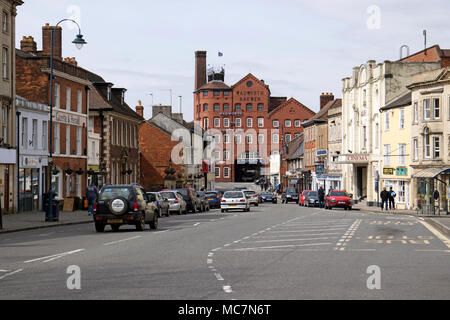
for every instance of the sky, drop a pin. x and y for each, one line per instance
(301, 48)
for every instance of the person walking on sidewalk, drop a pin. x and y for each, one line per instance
(392, 196)
(321, 197)
(91, 195)
(384, 199)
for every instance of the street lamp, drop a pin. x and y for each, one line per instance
(79, 43)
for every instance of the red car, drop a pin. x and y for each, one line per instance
(338, 199)
(302, 197)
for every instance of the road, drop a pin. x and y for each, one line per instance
(276, 251)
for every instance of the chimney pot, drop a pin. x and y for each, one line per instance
(140, 109)
(28, 44)
(325, 98)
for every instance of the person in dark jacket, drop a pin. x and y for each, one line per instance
(392, 196)
(321, 194)
(91, 196)
(384, 199)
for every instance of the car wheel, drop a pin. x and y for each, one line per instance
(248, 209)
(256, 204)
(222, 210)
(350, 208)
(140, 226)
(154, 224)
(99, 227)
(115, 227)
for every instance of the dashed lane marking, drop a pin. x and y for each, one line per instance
(11, 273)
(123, 240)
(54, 257)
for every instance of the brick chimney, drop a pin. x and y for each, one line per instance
(200, 69)
(71, 61)
(28, 44)
(57, 41)
(325, 98)
(140, 109)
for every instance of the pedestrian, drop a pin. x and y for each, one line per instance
(392, 196)
(266, 186)
(321, 197)
(384, 195)
(261, 185)
(91, 196)
(279, 188)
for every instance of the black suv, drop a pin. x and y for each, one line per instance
(192, 198)
(124, 204)
(290, 194)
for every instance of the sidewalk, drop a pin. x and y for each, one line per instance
(36, 220)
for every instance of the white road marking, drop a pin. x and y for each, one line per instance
(123, 240)
(209, 261)
(55, 256)
(227, 289)
(287, 240)
(218, 277)
(441, 237)
(10, 274)
(287, 231)
(286, 246)
(198, 223)
(294, 235)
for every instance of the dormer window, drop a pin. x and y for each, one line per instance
(108, 96)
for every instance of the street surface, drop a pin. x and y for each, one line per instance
(276, 251)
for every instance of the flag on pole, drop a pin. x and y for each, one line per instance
(220, 54)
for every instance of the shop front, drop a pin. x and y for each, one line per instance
(431, 190)
(32, 173)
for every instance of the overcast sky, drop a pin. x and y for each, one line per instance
(301, 48)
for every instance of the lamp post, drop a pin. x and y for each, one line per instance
(79, 42)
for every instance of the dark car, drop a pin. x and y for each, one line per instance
(205, 201)
(126, 204)
(214, 198)
(312, 199)
(193, 201)
(161, 203)
(290, 195)
(267, 197)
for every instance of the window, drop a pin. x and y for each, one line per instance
(56, 138)
(386, 121)
(260, 138)
(205, 93)
(226, 93)
(402, 191)
(205, 107)
(67, 139)
(4, 124)
(288, 138)
(387, 152)
(249, 107)
(226, 155)
(24, 133)
(226, 138)
(68, 96)
(426, 144)
(249, 138)
(426, 109)
(287, 123)
(93, 150)
(5, 26)
(217, 138)
(108, 93)
(249, 122)
(217, 155)
(79, 101)
(216, 93)
(436, 109)
(275, 138)
(275, 123)
(238, 107)
(78, 140)
(91, 124)
(436, 148)
(402, 118)
(226, 107)
(377, 135)
(217, 172)
(238, 122)
(402, 154)
(260, 107)
(226, 122)
(5, 63)
(44, 135)
(416, 112)
(205, 123)
(216, 107)
(238, 138)
(260, 122)
(297, 123)
(226, 172)
(216, 122)
(57, 103)
(416, 149)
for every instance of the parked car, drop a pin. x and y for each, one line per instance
(176, 201)
(302, 197)
(234, 200)
(312, 199)
(267, 197)
(290, 194)
(161, 203)
(214, 198)
(205, 201)
(338, 199)
(126, 204)
(252, 197)
(193, 201)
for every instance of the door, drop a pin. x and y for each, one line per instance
(6, 190)
(359, 182)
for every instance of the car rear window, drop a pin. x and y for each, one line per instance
(151, 196)
(313, 194)
(291, 190)
(114, 192)
(233, 194)
(266, 194)
(211, 194)
(249, 193)
(338, 194)
(168, 195)
(184, 192)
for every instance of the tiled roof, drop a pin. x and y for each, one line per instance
(401, 101)
(322, 115)
(214, 85)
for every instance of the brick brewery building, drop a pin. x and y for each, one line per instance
(248, 123)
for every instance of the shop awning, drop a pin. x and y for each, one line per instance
(430, 172)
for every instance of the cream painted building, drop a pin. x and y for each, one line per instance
(371, 86)
(8, 143)
(335, 145)
(396, 149)
(430, 140)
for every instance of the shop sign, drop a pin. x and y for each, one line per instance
(401, 171)
(319, 169)
(388, 171)
(320, 153)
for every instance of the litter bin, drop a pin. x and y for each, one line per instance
(55, 208)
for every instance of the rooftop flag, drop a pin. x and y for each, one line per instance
(220, 54)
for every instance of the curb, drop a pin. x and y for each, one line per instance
(440, 227)
(43, 227)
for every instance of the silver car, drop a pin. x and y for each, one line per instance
(252, 197)
(234, 200)
(176, 201)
